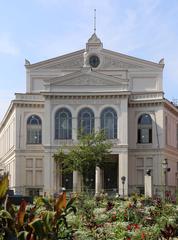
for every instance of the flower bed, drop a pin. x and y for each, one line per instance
(83, 217)
(133, 218)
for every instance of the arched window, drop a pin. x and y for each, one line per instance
(63, 124)
(86, 121)
(109, 123)
(34, 130)
(145, 129)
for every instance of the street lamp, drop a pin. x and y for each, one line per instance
(123, 178)
(166, 169)
(148, 172)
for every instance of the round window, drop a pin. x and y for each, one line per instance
(94, 61)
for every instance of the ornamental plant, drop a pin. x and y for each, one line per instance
(86, 217)
(46, 219)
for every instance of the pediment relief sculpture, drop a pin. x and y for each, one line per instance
(87, 80)
(72, 63)
(110, 62)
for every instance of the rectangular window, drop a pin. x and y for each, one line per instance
(38, 177)
(29, 163)
(140, 162)
(39, 163)
(140, 171)
(29, 177)
(140, 177)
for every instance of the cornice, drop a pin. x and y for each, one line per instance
(7, 114)
(52, 60)
(27, 104)
(148, 103)
(88, 95)
(8, 155)
(171, 107)
(21, 152)
(134, 59)
(151, 151)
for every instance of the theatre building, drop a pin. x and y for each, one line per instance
(93, 88)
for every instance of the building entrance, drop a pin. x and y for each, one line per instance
(89, 180)
(111, 175)
(67, 181)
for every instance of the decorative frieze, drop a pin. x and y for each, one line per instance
(51, 96)
(111, 62)
(29, 97)
(146, 104)
(28, 105)
(76, 62)
(87, 80)
(86, 101)
(146, 96)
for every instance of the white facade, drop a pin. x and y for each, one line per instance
(97, 79)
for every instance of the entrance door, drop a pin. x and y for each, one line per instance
(110, 177)
(67, 181)
(89, 180)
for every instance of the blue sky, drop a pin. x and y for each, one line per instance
(42, 29)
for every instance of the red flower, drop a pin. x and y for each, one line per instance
(133, 226)
(113, 217)
(142, 235)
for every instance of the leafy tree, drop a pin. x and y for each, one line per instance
(91, 151)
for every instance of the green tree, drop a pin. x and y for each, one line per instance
(91, 151)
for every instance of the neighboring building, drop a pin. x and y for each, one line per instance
(92, 88)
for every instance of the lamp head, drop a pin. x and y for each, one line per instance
(165, 163)
(148, 172)
(123, 178)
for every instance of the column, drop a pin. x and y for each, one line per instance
(74, 128)
(98, 180)
(123, 171)
(58, 179)
(47, 174)
(148, 186)
(47, 134)
(77, 181)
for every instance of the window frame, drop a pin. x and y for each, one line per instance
(34, 130)
(84, 130)
(59, 133)
(112, 133)
(144, 129)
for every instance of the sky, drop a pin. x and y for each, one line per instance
(41, 29)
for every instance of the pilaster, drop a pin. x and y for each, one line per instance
(76, 181)
(123, 171)
(98, 180)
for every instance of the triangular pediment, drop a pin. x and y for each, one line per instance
(116, 60)
(85, 78)
(108, 60)
(72, 60)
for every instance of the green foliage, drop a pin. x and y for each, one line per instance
(86, 217)
(45, 220)
(91, 151)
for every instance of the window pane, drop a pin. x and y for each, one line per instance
(145, 135)
(144, 129)
(63, 124)
(145, 119)
(34, 130)
(109, 123)
(86, 121)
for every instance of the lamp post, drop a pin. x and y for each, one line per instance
(123, 178)
(165, 169)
